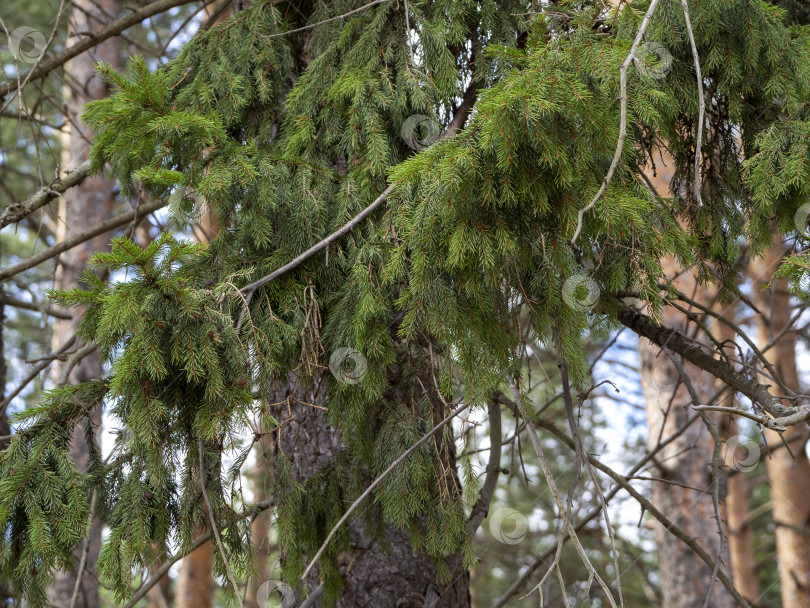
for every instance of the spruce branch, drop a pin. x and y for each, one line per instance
(457, 122)
(701, 101)
(617, 155)
(212, 519)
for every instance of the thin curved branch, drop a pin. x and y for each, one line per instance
(617, 155)
(211, 517)
(653, 510)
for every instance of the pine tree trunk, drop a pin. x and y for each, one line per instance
(85, 205)
(399, 578)
(741, 533)
(788, 470)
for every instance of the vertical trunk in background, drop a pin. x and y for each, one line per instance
(738, 498)
(685, 579)
(740, 532)
(81, 207)
(788, 470)
(261, 484)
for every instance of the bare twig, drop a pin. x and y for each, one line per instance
(95, 38)
(35, 372)
(617, 155)
(481, 506)
(35, 306)
(311, 25)
(83, 560)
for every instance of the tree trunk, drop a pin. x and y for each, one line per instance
(685, 579)
(740, 532)
(788, 470)
(87, 204)
(399, 578)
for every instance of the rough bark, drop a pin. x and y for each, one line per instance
(400, 577)
(788, 470)
(87, 204)
(686, 581)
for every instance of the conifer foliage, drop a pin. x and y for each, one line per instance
(286, 134)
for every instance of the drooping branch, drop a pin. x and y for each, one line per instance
(19, 210)
(457, 122)
(617, 154)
